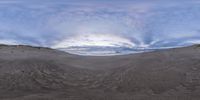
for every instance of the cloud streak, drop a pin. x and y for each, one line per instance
(156, 23)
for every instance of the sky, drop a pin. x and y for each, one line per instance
(113, 23)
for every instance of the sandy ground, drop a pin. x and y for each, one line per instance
(35, 73)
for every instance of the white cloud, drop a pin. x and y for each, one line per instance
(9, 42)
(107, 40)
(136, 23)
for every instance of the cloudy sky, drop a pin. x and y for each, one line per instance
(129, 23)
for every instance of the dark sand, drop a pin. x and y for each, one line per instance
(34, 73)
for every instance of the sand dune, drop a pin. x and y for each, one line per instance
(35, 73)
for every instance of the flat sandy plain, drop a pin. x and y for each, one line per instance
(35, 73)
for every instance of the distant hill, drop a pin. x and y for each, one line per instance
(36, 73)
